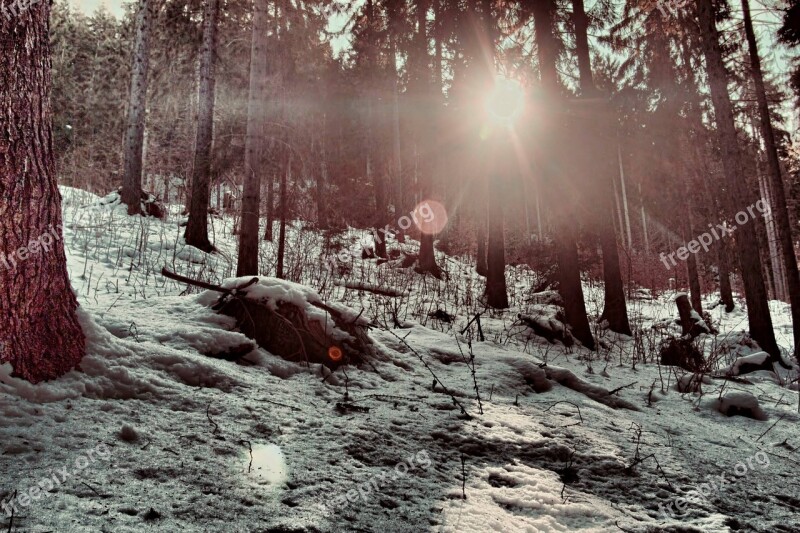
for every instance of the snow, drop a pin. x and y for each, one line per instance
(541, 457)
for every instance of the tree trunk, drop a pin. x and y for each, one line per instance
(137, 104)
(496, 291)
(254, 144)
(644, 223)
(725, 289)
(322, 177)
(624, 198)
(565, 233)
(284, 214)
(427, 258)
(40, 335)
(614, 309)
(197, 226)
(270, 186)
(695, 291)
(772, 250)
(746, 242)
(779, 209)
(399, 202)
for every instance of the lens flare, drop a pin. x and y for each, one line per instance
(430, 217)
(506, 101)
(335, 353)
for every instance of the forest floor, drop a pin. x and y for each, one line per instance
(193, 443)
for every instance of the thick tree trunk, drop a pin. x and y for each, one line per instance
(739, 191)
(565, 231)
(39, 331)
(496, 290)
(614, 309)
(137, 109)
(197, 226)
(779, 209)
(254, 144)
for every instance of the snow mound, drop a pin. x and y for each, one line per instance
(740, 403)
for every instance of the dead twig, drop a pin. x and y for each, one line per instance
(250, 447)
(567, 402)
(770, 428)
(435, 377)
(614, 391)
(92, 489)
(208, 415)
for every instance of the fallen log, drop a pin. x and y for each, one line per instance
(546, 325)
(291, 320)
(692, 323)
(568, 379)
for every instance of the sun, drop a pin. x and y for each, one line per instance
(506, 100)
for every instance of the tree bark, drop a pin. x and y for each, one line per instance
(197, 225)
(399, 201)
(779, 209)
(40, 335)
(137, 109)
(254, 144)
(496, 290)
(746, 242)
(614, 308)
(427, 257)
(565, 233)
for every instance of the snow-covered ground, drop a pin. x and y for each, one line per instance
(152, 434)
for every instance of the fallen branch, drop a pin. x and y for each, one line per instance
(623, 387)
(435, 377)
(202, 284)
(566, 378)
(374, 289)
(569, 403)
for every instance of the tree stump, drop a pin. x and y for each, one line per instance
(692, 323)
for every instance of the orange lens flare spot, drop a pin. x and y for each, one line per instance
(335, 353)
(430, 217)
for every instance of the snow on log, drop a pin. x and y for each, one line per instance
(546, 323)
(565, 377)
(291, 320)
(691, 322)
(749, 363)
(740, 403)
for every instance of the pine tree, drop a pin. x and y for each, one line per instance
(137, 110)
(256, 118)
(39, 330)
(779, 208)
(197, 226)
(746, 242)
